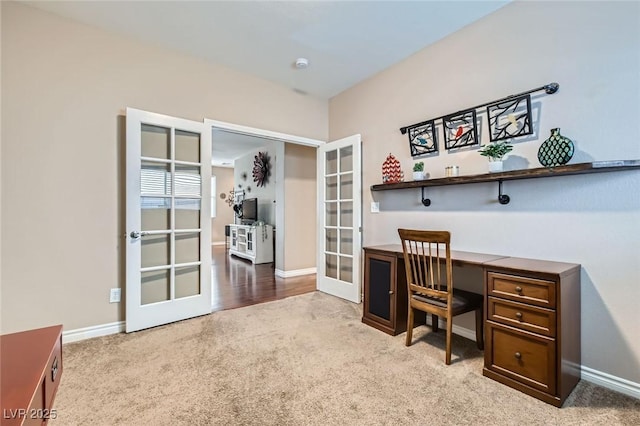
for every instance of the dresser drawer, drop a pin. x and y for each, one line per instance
(520, 315)
(525, 357)
(522, 289)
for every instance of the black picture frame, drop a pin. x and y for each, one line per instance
(510, 118)
(422, 138)
(460, 129)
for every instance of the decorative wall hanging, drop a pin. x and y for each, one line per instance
(422, 138)
(555, 151)
(244, 175)
(460, 129)
(510, 119)
(230, 199)
(391, 170)
(261, 168)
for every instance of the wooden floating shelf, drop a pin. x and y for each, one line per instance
(540, 172)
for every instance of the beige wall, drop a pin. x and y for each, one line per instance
(593, 50)
(224, 212)
(300, 201)
(65, 87)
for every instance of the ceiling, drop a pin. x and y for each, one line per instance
(228, 146)
(345, 42)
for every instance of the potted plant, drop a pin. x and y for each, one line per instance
(495, 151)
(418, 171)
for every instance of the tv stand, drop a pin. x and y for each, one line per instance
(251, 242)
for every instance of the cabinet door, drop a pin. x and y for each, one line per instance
(251, 241)
(380, 288)
(234, 238)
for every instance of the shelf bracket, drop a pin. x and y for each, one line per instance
(425, 201)
(502, 198)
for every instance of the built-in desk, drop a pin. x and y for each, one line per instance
(531, 312)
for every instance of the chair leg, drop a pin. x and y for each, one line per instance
(434, 323)
(409, 326)
(479, 329)
(448, 348)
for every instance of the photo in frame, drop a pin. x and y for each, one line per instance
(510, 119)
(422, 138)
(460, 129)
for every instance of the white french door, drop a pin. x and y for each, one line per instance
(168, 226)
(339, 218)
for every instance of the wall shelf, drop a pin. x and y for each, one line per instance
(540, 172)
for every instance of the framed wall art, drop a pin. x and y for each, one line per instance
(422, 138)
(460, 129)
(510, 119)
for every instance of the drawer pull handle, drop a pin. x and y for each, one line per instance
(390, 291)
(518, 289)
(519, 315)
(518, 355)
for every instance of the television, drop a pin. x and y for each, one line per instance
(249, 210)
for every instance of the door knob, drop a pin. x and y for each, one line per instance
(137, 234)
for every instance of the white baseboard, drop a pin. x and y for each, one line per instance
(295, 272)
(94, 331)
(597, 377)
(608, 381)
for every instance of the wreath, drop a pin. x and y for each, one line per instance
(261, 169)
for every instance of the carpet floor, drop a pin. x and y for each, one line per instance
(304, 360)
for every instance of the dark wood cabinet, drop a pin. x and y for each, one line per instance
(532, 327)
(31, 366)
(385, 293)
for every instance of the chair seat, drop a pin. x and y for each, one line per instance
(462, 300)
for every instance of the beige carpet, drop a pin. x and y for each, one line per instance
(305, 360)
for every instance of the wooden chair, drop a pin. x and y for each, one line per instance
(427, 259)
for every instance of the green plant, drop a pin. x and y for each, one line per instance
(418, 167)
(496, 150)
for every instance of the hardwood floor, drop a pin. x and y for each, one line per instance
(237, 282)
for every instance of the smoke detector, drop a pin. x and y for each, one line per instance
(302, 63)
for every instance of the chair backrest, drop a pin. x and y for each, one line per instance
(426, 256)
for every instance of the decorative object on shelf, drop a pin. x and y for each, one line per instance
(495, 151)
(230, 198)
(418, 171)
(460, 129)
(555, 151)
(510, 108)
(237, 208)
(451, 171)
(391, 170)
(422, 138)
(510, 119)
(261, 168)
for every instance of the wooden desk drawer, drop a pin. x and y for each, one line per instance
(522, 289)
(520, 315)
(53, 373)
(522, 356)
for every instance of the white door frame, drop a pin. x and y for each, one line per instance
(276, 136)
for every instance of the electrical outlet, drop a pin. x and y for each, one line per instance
(114, 296)
(375, 207)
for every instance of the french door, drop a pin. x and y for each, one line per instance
(168, 225)
(339, 218)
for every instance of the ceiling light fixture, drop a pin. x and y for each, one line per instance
(302, 63)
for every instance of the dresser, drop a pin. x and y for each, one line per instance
(30, 371)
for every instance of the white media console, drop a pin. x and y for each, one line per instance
(252, 242)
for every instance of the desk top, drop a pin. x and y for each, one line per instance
(461, 258)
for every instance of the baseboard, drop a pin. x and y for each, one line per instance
(94, 331)
(597, 377)
(295, 272)
(608, 381)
